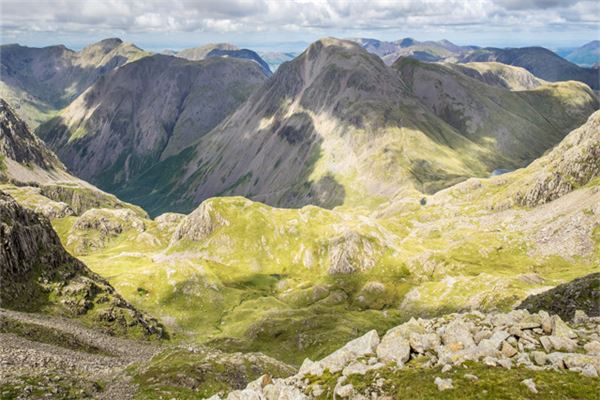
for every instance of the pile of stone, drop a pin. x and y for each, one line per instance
(518, 338)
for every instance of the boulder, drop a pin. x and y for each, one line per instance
(443, 384)
(362, 346)
(529, 384)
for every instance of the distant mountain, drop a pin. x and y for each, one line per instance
(586, 55)
(541, 62)
(224, 50)
(337, 126)
(200, 53)
(276, 58)
(39, 81)
(145, 112)
(409, 47)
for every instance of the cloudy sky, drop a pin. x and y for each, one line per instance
(291, 24)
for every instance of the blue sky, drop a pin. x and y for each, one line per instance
(291, 24)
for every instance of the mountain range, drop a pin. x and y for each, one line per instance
(345, 126)
(198, 228)
(541, 62)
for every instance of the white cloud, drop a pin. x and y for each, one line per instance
(280, 16)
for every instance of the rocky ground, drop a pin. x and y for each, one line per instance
(516, 341)
(51, 357)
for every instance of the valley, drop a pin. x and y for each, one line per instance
(195, 226)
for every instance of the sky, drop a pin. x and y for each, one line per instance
(290, 25)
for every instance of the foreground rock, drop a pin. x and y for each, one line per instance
(534, 341)
(37, 274)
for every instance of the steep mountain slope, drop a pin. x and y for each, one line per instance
(40, 81)
(337, 126)
(39, 275)
(586, 55)
(144, 112)
(32, 173)
(517, 125)
(541, 62)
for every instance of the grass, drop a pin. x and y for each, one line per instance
(181, 374)
(493, 383)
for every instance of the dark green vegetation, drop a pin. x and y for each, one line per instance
(580, 294)
(59, 386)
(493, 383)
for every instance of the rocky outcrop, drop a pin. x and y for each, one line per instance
(199, 224)
(535, 341)
(18, 144)
(96, 227)
(36, 273)
(572, 164)
(579, 294)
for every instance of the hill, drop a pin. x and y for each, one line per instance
(40, 81)
(586, 55)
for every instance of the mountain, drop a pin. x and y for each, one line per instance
(145, 112)
(224, 50)
(40, 81)
(409, 47)
(337, 126)
(276, 58)
(586, 55)
(541, 62)
(516, 125)
(200, 53)
(32, 173)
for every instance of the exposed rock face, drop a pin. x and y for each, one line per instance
(18, 144)
(571, 164)
(36, 273)
(580, 294)
(518, 338)
(200, 224)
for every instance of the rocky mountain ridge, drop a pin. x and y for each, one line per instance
(40, 81)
